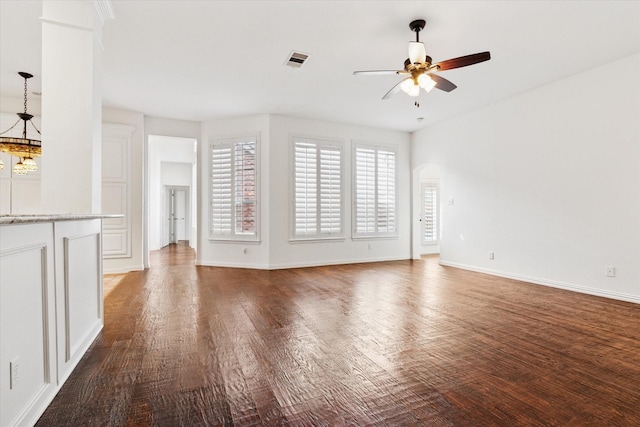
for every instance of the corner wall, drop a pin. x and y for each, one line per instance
(275, 250)
(549, 181)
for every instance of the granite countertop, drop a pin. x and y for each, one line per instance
(26, 219)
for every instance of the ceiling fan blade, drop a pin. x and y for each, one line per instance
(463, 61)
(379, 72)
(442, 83)
(394, 89)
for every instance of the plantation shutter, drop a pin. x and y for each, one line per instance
(221, 190)
(365, 191)
(233, 189)
(430, 214)
(330, 191)
(386, 202)
(306, 189)
(375, 192)
(245, 187)
(317, 189)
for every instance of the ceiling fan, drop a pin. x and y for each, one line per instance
(422, 71)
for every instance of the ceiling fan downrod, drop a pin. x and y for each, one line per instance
(417, 26)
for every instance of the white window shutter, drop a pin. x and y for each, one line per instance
(234, 189)
(305, 189)
(386, 197)
(330, 191)
(430, 214)
(317, 189)
(221, 190)
(245, 187)
(375, 192)
(365, 190)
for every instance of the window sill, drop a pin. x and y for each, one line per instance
(229, 240)
(382, 237)
(316, 240)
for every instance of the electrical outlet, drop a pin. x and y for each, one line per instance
(610, 271)
(14, 369)
(491, 255)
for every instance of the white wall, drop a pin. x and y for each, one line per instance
(275, 250)
(174, 173)
(549, 180)
(171, 127)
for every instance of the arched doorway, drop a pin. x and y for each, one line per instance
(426, 210)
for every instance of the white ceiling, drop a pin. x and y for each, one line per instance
(199, 60)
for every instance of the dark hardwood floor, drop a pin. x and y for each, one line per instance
(394, 343)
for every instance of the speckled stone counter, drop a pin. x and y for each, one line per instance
(26, 219)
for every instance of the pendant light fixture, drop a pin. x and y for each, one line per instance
(24, 148)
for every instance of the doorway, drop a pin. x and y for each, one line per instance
(176, 215)
(171, 164)
(427, 219)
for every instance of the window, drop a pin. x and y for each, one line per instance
(429, 214)
(375, 192)
(234, 205)
(317, 193)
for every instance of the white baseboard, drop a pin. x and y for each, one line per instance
(545, 282)
(303, 264)
(231, 265)
(333, 262)
(121, 269)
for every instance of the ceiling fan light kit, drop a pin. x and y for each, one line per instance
(421, 69)
(417, 52)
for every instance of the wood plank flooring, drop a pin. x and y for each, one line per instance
(394, 343)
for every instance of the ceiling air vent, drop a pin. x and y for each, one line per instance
(297, 59)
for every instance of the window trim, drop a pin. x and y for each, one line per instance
(231, 141)
(376, 235)
(319, 142)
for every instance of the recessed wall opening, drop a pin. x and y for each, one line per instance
(427, 219)
(172, 191)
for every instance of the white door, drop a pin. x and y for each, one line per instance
(166, 217)
(179, 212)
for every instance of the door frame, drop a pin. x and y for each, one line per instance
(168, 208)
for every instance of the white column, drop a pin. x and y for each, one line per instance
(72, 105)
